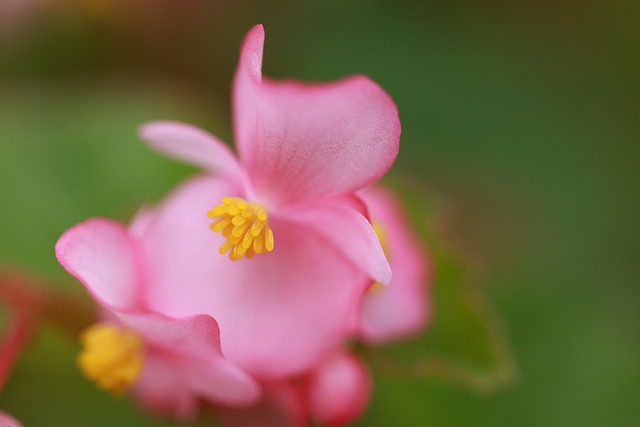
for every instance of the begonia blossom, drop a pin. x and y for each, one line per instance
(333, 393)
(301, 249)
(403, 308)
(170, 361)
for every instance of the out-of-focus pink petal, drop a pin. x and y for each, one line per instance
(7, 420)
(140, 221)
(302, 141)
(350, 233)
(278, 312)
(402, 308)
(245, 85)
(339, 390)
(194, 343)
(191, 145)
(354, 202)
(192, 335)
(161, 389)
(101, 254)
(282, 405)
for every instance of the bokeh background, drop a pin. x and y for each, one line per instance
(520, 122)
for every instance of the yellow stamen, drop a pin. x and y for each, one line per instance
(381, 232)
(112, 356)
(245, 225)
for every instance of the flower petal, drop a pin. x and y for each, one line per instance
(350, 233)
(247, 78)
(282, 405)
(402, 308)
(278, 312)
(101, 254)
(339, 390)
(191, 145)
(302, 141)
(194, 343)
(161, 389)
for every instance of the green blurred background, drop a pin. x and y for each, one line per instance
(520, 118)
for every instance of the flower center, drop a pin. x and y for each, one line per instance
(245, 226)
(112, 356)
(381, 232)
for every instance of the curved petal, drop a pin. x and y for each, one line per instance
(302, 141)
(191, 145)
(278, 312)
(350, 233)
(161, 389)
(101, 254)
(247, 78)
(140, 221)
(220, 381)
(194, 343)
(402, 308)
(338, 390)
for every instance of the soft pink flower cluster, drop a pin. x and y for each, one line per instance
(262, 333)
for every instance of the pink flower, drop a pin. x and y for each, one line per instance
(402, 308)
(282, 405)
(301, 250)
(169, 360)
(334, 393)
(7, 420)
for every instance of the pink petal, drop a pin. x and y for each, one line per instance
(161, 389)
(101, 254)
(302, 141)
(140, 221)
(7, 420)
(282, 405)
(247, 78)
(339, 390)
(278, 312)
(194, 345)
(191, 145)
(402, 308)
(350, 233)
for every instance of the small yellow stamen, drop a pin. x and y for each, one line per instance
(245, 225)
(381, 232)
(112, 356)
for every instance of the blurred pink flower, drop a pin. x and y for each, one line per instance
(288, 204)
(282, 405)
(333, 393)
(170, 361)
(403, 308)
(7, 420)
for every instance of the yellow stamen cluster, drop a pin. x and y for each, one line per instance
(244, 225)
(381, 232)
(112, 356)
